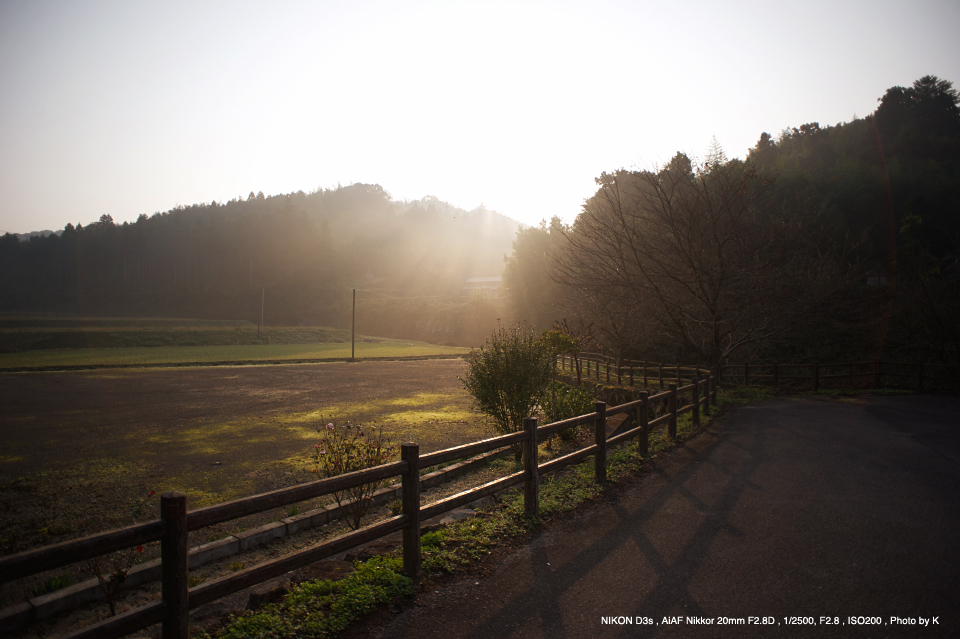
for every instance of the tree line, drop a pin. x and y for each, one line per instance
(212, 259)
(825, 242)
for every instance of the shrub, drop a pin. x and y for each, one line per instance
(347, 448)
(508, 376)
(572, 401)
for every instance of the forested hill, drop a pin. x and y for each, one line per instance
(894, 175)
(211, 260)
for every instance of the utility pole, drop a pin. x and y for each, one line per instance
(353, 327)
(263, 294)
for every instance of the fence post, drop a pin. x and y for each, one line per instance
(746, 374)
(631, 375)
(173, 567)
(672, 406)
(679, 381)
(850, 374)
(816, 376)
(920, 376)
(600, 437)
(644, 373)
(410, 503)
(706, 388)
(876, 379)
(643, 418)
(776, 374)
(660, 376)
(606, 368)
(531, 485)
(696, 402)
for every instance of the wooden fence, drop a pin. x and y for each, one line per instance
(177, 598)
(634, 372)
(875, 374)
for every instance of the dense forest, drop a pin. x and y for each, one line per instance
(825, 242)
(215, 260)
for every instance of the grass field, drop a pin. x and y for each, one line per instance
(200, 355)
(81, 451)
(46, 342)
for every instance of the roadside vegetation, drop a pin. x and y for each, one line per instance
(311, 610)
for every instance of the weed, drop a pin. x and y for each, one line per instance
(235, 566)
(395, 506)
(196, 580)
(322, 608)
(52, 585)
(293, 512)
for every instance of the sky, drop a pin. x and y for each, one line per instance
(133, 107)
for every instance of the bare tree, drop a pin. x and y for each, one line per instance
(703, 256)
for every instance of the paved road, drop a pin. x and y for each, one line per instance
(792, 508)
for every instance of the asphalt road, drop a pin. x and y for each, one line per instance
(797, 508)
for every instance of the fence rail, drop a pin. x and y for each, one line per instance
(605, 368)
(171, 529)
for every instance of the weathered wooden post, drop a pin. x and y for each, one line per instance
(776, 374)
(679, 382)
(706, 388)
(696, 402)
(642, 417)
(644, 373)
(746, 373)
(660, 376)
(876, 379)
(920, 377)
(816, 376)
(851, 375)
(619, 371)
(672, 407)
(410, 504)
(714, 382)
(631, 374)
(600, 439)
(173, 567)
(606, 368)
(531, 485)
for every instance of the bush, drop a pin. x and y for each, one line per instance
(345, 448)
(509, 376)
(572, 401)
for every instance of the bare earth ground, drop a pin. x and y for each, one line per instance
(80, 452)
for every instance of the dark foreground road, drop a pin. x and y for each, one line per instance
(795, 508)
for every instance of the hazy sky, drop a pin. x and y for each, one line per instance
(134, 107)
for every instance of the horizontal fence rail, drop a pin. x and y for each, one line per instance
(605, 368)
(175, 522)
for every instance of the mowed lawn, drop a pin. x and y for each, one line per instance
(184, 355)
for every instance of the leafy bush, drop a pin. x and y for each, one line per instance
(347, 448)
(572, 401)
(509, 376)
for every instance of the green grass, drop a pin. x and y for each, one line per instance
(184, 355)
(319, 609)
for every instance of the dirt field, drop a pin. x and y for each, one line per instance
(80, 452)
